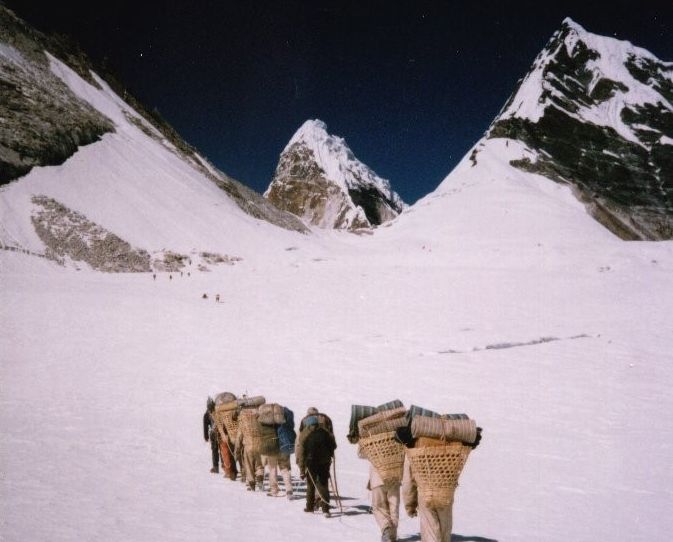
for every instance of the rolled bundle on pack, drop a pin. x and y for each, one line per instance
(271, 414)
(460, 416)
(385, 426)
(358, 412)
(382, 422)
(224, 407)
(415, 410)
(224, 397)
(390, 405)
(247, 402)
(463, 430)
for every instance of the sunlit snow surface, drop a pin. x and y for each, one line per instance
(497, 295)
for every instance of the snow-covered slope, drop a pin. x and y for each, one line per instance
(560, 352)
(598, 112)
(320, 180)
(133, 197)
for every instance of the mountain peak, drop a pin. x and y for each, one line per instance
(312, 129)
(319, 179)
(598, 113)
(570, 23)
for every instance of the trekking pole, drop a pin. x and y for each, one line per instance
(335, 487)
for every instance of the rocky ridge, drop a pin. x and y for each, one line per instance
(597, 113)
(44, 122)
(319, 179)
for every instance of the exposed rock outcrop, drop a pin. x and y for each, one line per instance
(319, 179)
(70, 235)
(598, 113)
(42, 121)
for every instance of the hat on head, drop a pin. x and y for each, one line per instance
(311, 411)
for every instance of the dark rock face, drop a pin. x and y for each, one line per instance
(68, 234)
(43, 122)
(627, 185)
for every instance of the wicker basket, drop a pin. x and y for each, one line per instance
(228, 419)
(436, 471)
(386, 453)
(257, 438)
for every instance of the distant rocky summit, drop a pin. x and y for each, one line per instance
(597, 113)
(319, 179)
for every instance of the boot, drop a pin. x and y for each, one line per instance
(260, 483)
(388, 534)
(214, 470)
(251, 486)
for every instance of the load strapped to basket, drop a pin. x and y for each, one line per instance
(224, 397)
(378, 444)
(271, 414)
(441, 450)
(257, 438)
(463, 429)
(382, 422)
(359, 412)
(226, 413)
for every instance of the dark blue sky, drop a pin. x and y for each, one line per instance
(409, 85)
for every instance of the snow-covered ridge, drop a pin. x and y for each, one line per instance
(610, 63)
(338, 161)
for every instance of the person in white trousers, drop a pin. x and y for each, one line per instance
(385, 504)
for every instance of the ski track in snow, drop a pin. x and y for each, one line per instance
(505, 345)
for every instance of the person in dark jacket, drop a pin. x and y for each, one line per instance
(210, 433)
(314, 451)
(323, 419)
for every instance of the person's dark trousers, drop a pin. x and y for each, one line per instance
(317, 481)
(214, 448)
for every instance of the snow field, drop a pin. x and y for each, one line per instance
(105, 379)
